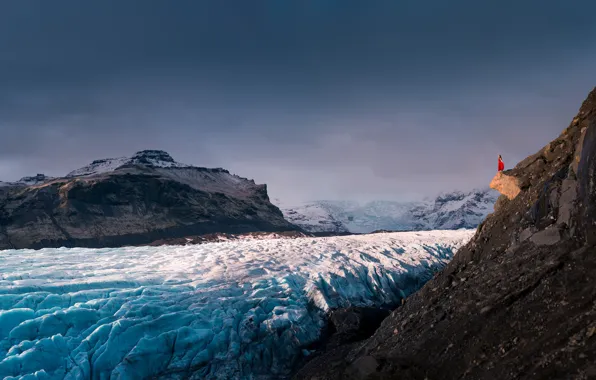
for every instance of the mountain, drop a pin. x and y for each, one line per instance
(315, 217)
(448, 211)
(518, 301)
(456, 210)
(151, 158)
(130, 201)
(27, 181)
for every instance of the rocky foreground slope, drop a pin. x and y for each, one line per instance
(519, 300)
(130, 201)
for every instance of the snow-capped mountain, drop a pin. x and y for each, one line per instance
(456, 210)
(28, 181)
(131, 201)
(152, 158)
(447, 211)
(315, 217)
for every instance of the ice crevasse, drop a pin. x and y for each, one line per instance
(232, 310)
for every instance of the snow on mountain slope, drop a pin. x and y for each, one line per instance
(212, 180)
(28, 181)
(100, 166)
(153, 158)
(133, 201)
(205, 179)
(231, 310)
(35, 180)
(456, 210)
(373, 216)
(448, 211)
(313, 217)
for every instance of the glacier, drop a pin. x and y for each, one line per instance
(230, 310)
(448, 211)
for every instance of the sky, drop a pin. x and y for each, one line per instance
(325, 99)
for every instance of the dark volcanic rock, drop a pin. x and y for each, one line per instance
(354, 324)
(149, 157)
(219, 237)
(148, 198)
(518, 301)
(587, 186)
(346, 327)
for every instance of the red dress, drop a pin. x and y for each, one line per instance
(501, 165)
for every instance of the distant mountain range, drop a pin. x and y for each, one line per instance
(453, 210)
(150, 197)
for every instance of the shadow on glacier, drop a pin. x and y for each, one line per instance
(362, 286)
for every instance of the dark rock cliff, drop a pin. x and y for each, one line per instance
(147, 198)
(519, 300)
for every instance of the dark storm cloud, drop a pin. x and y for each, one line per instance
(319, 99)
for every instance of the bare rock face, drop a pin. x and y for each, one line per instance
(117, 202)
(354, 324)
(587, 182)
(549, 236)
(506, 185)
(518, 301)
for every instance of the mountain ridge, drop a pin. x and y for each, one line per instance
(132, 201)
(449, 210)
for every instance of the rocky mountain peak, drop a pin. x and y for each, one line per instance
(452, 196)
(27, 181)
(35, 179)
(151, 156)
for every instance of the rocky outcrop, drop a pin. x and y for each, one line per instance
(507, 185)
(26, 181)
(518, 301)
(117, 202)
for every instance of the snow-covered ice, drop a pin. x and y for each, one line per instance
(232, 310)
(452, 210)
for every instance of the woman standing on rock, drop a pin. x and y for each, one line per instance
(501, 164)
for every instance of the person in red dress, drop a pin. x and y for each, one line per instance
(501, 164)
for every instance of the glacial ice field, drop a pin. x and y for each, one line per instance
(230, 310)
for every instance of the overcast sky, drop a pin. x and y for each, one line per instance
(320, 99)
